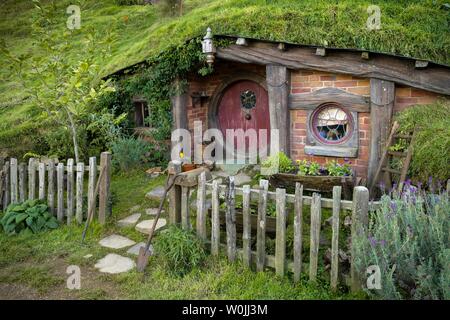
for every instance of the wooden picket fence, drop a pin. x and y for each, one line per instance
(61, 185)
(359, 207)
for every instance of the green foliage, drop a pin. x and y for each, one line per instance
(170, 7)
(180, 250)
(314, 169)
(281, 160)
(31, 216)
(430, 153)
(129, 2)
(129, 153)
(408, 238)
(332, 168)
(338, 170)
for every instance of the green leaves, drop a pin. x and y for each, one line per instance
(31, 216)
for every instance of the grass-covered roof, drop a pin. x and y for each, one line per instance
(412, 28)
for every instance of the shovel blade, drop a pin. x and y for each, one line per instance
(142, 260)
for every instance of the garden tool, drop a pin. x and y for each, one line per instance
(144, 253)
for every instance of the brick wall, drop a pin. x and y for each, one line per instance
(407, 96)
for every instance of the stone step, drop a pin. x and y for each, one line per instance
(116, 241)
(135, 249)
(156, 193)
(114, 263)
(129, 221)
(146, 225)
(153, 211)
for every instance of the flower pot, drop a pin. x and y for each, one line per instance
(188, 167)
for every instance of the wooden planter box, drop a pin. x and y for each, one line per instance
(271, 222)
(314, 183)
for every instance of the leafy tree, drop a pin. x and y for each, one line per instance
(63, 86)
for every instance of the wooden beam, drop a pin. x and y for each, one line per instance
(435, 78)
(382, 97)
(310, 100)
(179, 107)
(278, 86)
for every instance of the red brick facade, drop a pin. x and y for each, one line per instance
(303, 82)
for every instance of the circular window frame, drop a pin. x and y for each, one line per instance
(315, 132)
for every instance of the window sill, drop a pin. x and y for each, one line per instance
(332, 151)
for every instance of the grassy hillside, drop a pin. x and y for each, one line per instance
(411, 28)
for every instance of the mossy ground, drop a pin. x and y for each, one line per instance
(35, 266)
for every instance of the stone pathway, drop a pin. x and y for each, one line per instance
(116, 241)
(114, 263)
(146, 225)
(129, 221)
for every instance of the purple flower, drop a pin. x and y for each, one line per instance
(373, 241)
(383, 242)
(346, 160)
(393, 207)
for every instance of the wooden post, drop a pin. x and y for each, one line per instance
(104, 208)
(7, 186)
(298, 231)
(22, 182)
(60, 191)
(51, 187)
(91, 185)
(174, 195)
(201, 206)
(230, 219)
(31, 179)
(79, 192)
(315, 235)
(13, 180)
(70, 190)
(278, 88)
(335, 237)
(261, 227)
(41, 168)
(185, 217)
(179, 106)
(215, 219)
(247, 227)
(280, 244)
(382, 97)
(360, 217)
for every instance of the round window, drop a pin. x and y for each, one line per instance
(331, 123)
(248, 99)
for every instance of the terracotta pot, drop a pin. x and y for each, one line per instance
(188, 167)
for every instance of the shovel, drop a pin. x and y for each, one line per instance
(144, 254)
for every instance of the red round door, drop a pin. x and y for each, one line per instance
(244, 105)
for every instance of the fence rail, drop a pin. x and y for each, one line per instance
(61, 185)
(359, 208)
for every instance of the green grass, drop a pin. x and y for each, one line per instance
(39, 261)
(410, 28)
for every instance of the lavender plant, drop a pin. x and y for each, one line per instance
(408, 238)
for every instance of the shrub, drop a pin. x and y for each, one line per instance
(129, 153)
(338, 170)
(180, 250)
(284, 162)
(430, 153)
(31, 216)
(408, 238)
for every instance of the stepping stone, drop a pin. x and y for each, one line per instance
(135, 249)
(156, 193)
(129, 221)
(116, 241)
(114, 263)
(152, 211)
(146, 225)
(135, 208)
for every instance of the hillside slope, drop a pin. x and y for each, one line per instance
(411, 28)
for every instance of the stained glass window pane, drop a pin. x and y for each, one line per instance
(332, 124)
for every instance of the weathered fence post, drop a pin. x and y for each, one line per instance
(174, 195)
(335, 237)
(280, 244)
(104, 208)
(31, 179)
(360, 218)
(185, 216)
(91, 185)
(22, 182)
(51, 186)
(201, 206)
(70, 183)
(247, 226)
(7, 186)
(261, 226)
(79, 192)
(315, 235)
(298, 231)
(215, 219)
(230, 219)
(60, 192)
(13, 180)
(41, 189)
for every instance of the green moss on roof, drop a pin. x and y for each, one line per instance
(410, 28)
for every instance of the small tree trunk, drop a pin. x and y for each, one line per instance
(73, 128)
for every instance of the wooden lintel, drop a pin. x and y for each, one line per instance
(434, 78)
(310, 100)
(321, 52)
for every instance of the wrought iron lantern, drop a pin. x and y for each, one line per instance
(208, 47)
